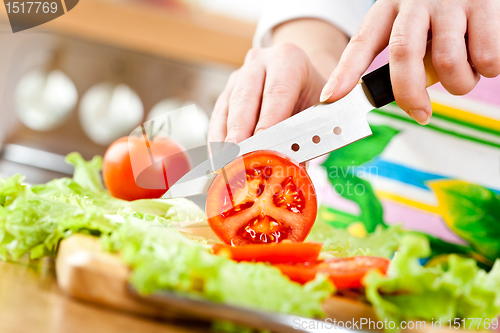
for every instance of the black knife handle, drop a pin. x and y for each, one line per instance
(379, 85)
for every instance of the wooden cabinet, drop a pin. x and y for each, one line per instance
(180, 33)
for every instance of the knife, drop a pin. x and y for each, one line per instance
(316, 131)
(189, 308)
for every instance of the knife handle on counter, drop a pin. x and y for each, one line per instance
(379, 84)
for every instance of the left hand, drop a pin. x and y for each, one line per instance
(465, 43)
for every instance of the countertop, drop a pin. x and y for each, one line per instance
(30, 301)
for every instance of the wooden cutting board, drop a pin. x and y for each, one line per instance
(86, 272)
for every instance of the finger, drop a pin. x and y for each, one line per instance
(449, 51)
(244, 102)
(285, 78)
(370, 39)
(484, 38)
(407, 47)
(218, 121)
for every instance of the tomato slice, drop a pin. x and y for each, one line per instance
(261, 197)
(345, 273)
(301, 273)
(288, 253)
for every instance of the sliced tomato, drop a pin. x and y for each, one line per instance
(345, 273)
(348, 273)
(262, 197)
(282, 253)
(301, 273)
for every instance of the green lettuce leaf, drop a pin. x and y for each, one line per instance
(32, 222)
(383, 242)
(162, 259)
(87, 174)
(35, 219)
(10, 189)
(176, 210)
(455, 288)
(334, 229)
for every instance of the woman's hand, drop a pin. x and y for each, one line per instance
(272, 84)
(465, 43)
(276, 82)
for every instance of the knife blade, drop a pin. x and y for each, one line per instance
(189, 308)
(335, 125)
(313, 132)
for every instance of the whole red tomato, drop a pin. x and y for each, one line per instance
(135, 168)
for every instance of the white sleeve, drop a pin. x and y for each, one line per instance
(344, 14)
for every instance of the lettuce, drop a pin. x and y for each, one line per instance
(455, 288)
(383, 242)
(35, 220)
(87, 174)
(162, 259)
(35, 223)
(10, 189)
(179, 210)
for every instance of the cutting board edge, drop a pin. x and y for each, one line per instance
(85, 272)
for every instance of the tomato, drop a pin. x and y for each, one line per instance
(345, 273)
(348, 272)
(301, 273)
(151, 180)
(261, 197)
(272, 253)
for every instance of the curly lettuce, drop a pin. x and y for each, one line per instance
(454, 288)
(162, 259)
(34, 219)
(340, 242)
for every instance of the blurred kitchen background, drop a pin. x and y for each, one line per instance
(91, 76)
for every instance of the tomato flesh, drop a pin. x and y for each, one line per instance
(264, 230)
(290, 197)
(262, 197)
(301, 273)
(281, 253)
(345, 273)
(348, 273)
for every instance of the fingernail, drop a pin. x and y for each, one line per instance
(328, 89)
(420, 116)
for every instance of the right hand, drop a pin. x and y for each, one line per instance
(465, 43)
(273, 84)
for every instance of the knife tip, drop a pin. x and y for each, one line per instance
(167, 195)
